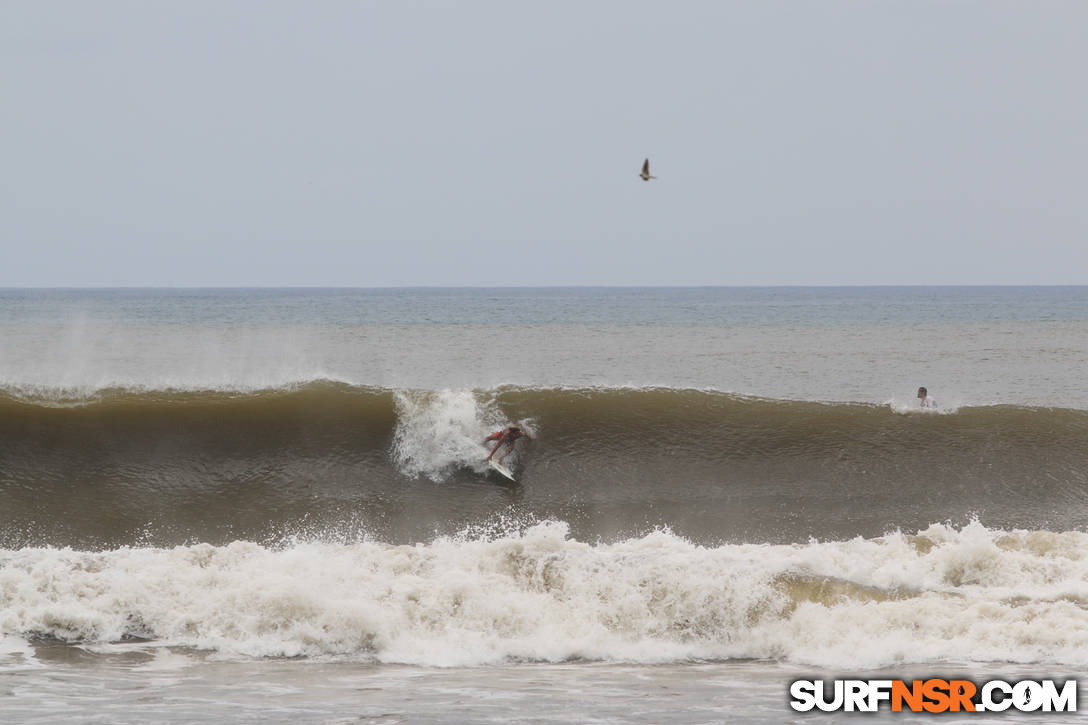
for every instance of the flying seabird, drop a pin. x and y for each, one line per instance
(645, 175)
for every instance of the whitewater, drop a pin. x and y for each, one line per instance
(536, 595)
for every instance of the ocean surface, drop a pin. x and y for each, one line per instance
(271, 505)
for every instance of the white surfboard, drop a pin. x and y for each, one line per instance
(503, 470)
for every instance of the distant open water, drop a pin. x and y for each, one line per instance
(969, 346)
(197, 483)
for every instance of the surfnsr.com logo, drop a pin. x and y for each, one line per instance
(934, 695)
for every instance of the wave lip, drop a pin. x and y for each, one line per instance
(942, 595)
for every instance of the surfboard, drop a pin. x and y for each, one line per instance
(503, 470)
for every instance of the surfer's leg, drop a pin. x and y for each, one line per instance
(509, 447)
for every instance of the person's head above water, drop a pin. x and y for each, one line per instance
(922, 392)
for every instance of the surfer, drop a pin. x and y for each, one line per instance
(509, 436)
(927, 402)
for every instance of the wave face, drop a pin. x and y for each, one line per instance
(328, 460)
(944, 594)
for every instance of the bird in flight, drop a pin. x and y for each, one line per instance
(645, 175)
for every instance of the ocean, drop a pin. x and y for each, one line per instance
(272, 505)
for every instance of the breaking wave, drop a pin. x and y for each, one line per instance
(176, 466)
(944, 594)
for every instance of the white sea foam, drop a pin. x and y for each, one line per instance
(946, 406)
(16, 653)
(438, 431)
(946, 594)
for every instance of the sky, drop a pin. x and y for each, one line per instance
(340, 143)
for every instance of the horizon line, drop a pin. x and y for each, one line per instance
(4, 286)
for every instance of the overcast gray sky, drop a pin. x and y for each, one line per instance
(443, 143)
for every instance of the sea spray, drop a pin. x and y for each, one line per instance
(438, 431)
